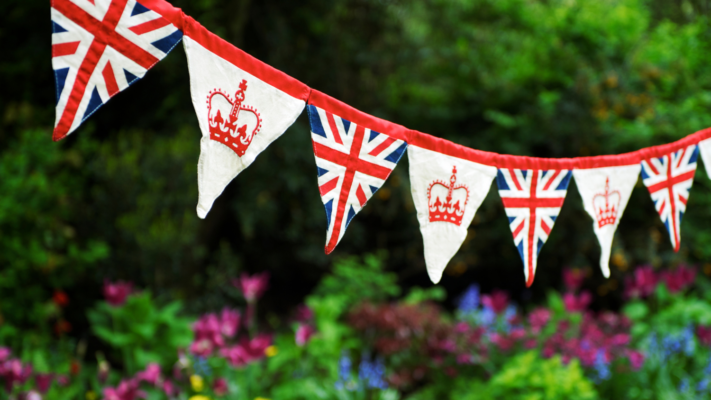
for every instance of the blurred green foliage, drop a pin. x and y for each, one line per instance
(553, 78)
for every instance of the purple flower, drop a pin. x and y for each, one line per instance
(678, 279)
(642, 284)
(575, 303)
(116, 292)
(43, 382)
(497, 301)
(151, 375)
(252, 287)
(469, 301)
(539, 318)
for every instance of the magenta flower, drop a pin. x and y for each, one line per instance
(573, 279)
(252, 287)
(247, 351)
(303, 334)
(636, 359)
(169, 388)
(220, 387)
(208, 335)
(229, 322)
(575, 303)
(150, 375)
(539, 318)
(126, 390)
(678, 279)
(704, 334)
(304, 313)
(43, 382)
(497, 301)
(642, 284)
(4, 353)
(116, 292)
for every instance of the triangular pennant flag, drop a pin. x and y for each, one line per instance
(239, 113)
(353, 162)
(605, 193)
(96, 45)
(532, 199)
(705, 149)
(669, 179)
(446, 191)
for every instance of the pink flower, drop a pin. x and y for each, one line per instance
(229, 322)
(303, 334)
(539, 318)
(62, 380)
(575, 303)
(503, 342)
(4, 353)
(126, 390)
(169, 388)
(151, 375)
(304, 313)
(573, 279)
(208, 334)
(464, 359)
(497, 301)
(32, 395)
(116, 292)
(247, 351)
(252, 287)
(43, 382)
(642, 284)
(636, 359)
(220, 387)
(678, 279)
(704, 334)
(620, 340)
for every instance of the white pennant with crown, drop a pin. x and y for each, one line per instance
(605, 193)
(446, 191)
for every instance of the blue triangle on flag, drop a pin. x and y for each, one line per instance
(351, 214)
(56, 28)
(511, 219)
(564, 183)
(139, 9)
(329, 210)
(524, 172)
(694, 155)
(681, 215)
(167, 43)
(373, 189)
(130, 78)
(315, 120)
(346, 125)
(60, 77)
(553, 217)
(644, 174)
(373, 135)
(520, 251)
(540, 244)
(321, 171)
(501, 181)
(94, 103)
(394, 157)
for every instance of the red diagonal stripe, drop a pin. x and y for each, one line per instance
(515, 179)
(682, 199)
(110, 79)
(64, 49)
(652, 167)
(519, 228)
(671, 182)
(382, 146)
(361, 195)
(545, 227)
(350, 161)
(328, 186)
(334, 128)
(510, 202)
(550, 181)
(149, 26)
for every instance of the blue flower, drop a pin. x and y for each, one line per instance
(601, 366)
(703, 385)
(687, 339)
(487, 317)
(371, 374)
(684, 385)
(344, 373)
(469, 301)
(202, 367)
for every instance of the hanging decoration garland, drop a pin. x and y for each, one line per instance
(100, 47)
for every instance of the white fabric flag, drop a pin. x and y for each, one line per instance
(447, 191)
(239, 115)
(605, 193)
(705, 148)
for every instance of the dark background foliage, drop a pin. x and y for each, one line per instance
(116, 199)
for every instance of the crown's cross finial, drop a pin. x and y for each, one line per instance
(452, 181)
(239, 98)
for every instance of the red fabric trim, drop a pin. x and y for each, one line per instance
(167, 11)
(343, 110)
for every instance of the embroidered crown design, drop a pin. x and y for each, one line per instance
(606, 206)
(447, 202)
(232, 123)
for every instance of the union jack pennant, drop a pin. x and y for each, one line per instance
(99, 48)
(353, 163)
(532, 199)
(669, 179)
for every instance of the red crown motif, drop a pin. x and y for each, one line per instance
(450, 200)
(606, 206)
(242, 123)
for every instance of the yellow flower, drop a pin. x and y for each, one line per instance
(199, 397)
(197, 383)
(271, 351)
(90, 395)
